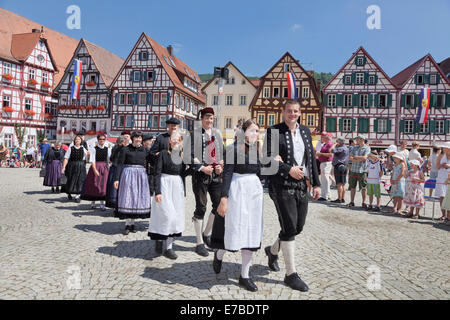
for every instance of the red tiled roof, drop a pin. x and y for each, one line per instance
(400, 78)
(108, 64)
(180, 66)
(61, 46)
(255, 82)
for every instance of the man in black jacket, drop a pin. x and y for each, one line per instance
(161, 143)
(287, 186)
(207, 165)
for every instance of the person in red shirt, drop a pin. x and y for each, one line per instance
(325, 158)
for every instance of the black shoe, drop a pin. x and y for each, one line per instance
(273, 264)
(53, 190)
(248, 284)
(376, 209)
(201, 250)
(294, 282)
(342, 201)
(217, 264)
(57, 190)
(69, 196)
(133, 229)
(77, 200)
(336, 201)
(321, 199)
(369, 207)
(207, 240)
(159, 246)
(127, 230)
(170, 254)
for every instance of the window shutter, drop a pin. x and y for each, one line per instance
(389, 104)
(416, 127)
(370, 99)
(447, 100)
(402, 126)
(339, 100)
(325, 99)
(377, 100)
(135, 98)
(375, 124)
(438, 78)
(415, 78)
(115, 120)
(333, 125)
(116, 98)
(149, 121)
(168, 98)
(140, 55)
(355, 100)
(376, 78)
(426, 78)
(144, 75)
(389, 125)
(363, 125)
(416, 100)
(353, 78)
(432, 125)
(364, 60)
(131, 75)
(447, 125)
(356, 60)
(328, 124)
(341, 124)
(433, 100)
(149, 98)
(353, 125)
(366, 77)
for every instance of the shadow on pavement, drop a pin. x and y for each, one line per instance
(110, 228)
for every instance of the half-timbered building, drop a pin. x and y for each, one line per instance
(152, 86)
(424, 73)
(92, 112)
(27, 79)
(361, 99)
(272, 94)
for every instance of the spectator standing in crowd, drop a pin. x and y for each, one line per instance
(443, 166)
(340, 161)
(42, 149)
(31, 150)
(325, 158)
(446, 201)
(374, 173)
(414, 195)
(351, 145)
(414, 153)
(398, 182)
(358, 170)
(432, 165)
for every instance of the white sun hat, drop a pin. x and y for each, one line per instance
(391, 148)
(398, 155)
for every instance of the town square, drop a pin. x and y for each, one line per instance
(149, 157)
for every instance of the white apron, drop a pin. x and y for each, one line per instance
(441, 187)
(244, 217)
(167, 217)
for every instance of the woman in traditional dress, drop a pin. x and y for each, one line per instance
(111, 192)
(74, 160)
(443, 166)
(133, 201)
(53, 160)
(167, 219)
(239, 225)
(95, 184)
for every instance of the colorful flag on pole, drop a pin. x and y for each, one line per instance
(292, 89)
(76, 80)
(220, 86)
(424, 104)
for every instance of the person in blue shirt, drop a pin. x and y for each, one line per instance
(43, 147)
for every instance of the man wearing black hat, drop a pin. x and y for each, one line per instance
(161, 143)
(206, 158)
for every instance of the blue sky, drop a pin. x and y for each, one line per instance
(255, 34)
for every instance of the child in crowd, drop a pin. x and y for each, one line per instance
(415, 196)
(374, 173)
(398, 182)
(446, 201)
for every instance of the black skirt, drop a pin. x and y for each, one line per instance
(76, 174)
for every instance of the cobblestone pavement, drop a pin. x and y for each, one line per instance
(54, 249)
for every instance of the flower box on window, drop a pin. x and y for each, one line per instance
(30, 113)
(32, 82)
(7, 77)
(91, 84)
(90, 107)
(101, 107)
(45, 85)
(72, 107)
(82, 107)
(8, 109)
(48, 116)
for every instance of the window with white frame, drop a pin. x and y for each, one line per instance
(424, 128)
(129, 121)
(130, 99)
(8, 138)
(409, 100)
(383, 100)
(149, 76)
(261, 119)
(276, 92)
(439, 127)
(360, 61)
(45, 77)
(305, 93)
(331, 100)
(364, 100)
(266, 93)
(122, 121)
(215, 101)
(162, 122)
(93, 101)
(382, 125)
(32, 140)
(163, 98)
(94, 126)
(348, 100)
(6, 101)
(142, 99)
(359, 78)
(182, 102)
(270, 120)
(310, 120)
(149, 121)
(6, 68)
(371, 79)
(136, 75)
(409, 126)
(228, 121)
(122, 99)
(440, 103)
(347, 79)
(177, 100)
(243, 100)
(155, 99)
(155, 122)
(228, 100)
(243, 82)
(285, 92)
(28, 104)
(420, 79)
(433, 79)
(347, 125)
(48, 107)
(32, 74)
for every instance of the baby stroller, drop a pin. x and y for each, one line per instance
(387, 187)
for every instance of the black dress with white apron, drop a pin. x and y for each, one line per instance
(242, 226)
(111, 192)
(75, 170)
(168, 216)
(95, 186)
